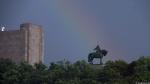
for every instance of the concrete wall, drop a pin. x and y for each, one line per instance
(25, 44)
(33, 42)
(11, 45)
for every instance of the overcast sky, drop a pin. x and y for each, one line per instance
(74, 27)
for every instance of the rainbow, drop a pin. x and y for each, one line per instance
(84, 25)
(79, 22)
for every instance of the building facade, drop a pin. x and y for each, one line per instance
(25, 44)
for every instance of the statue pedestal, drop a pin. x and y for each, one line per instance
(97, 66)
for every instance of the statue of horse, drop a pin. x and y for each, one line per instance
(98, 54)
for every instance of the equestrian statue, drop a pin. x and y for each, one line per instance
(99, 53)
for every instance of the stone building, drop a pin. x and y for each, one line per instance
(25, 44)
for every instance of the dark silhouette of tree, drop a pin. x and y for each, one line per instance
(115, 70)
(79, 72)
(141, 69)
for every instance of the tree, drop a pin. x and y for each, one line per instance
(115, 70)
(80, 72)
(8, 72)
(142, 69)
(39, 74)
(25, 71)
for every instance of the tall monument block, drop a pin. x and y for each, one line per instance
(25, 44)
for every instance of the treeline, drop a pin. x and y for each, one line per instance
(80, 72)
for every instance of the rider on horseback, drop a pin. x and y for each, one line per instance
(98, 54)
